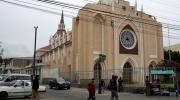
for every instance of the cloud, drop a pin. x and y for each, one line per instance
(16, 50)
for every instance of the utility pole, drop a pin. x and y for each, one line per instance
(174, 77)
(169, 49)
(1, 49)
(34, 59)
(1, 57)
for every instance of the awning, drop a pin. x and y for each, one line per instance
(162, 72)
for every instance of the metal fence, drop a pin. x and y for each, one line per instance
(131, 77)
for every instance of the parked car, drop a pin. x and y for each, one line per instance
(42, 88)
(15, 89)
(7, 78)
(59, 83)
(18, 88)
(2, 77)
(155, 89)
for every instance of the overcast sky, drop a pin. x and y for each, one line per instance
(17, 22)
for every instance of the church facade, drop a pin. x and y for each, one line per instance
(131, 41)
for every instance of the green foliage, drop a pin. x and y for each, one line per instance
(175, 55)
(169, 87)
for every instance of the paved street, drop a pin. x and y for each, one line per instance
(82, 94)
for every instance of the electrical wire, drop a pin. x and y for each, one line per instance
(57, 3)
(72, 16)
(163, 3)
(57, 9)
(34, 8)
(148, 7)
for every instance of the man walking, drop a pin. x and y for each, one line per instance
(114, 88)
(147, 83)
(120, 84)
(35, 87)
(101, 86)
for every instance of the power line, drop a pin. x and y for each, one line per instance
(25, 6)
(41, 6)
(163, 3)
(56, 9)
(52, 2)
(153, 15)
(72, 16)
(168, 11)
(37, 5)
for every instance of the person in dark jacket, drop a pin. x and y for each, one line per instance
(147, 83)
(120, 81)
(114, 88)
(92, 90)
(35, 87)
(101, 86)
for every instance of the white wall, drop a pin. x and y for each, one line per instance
(49, 72)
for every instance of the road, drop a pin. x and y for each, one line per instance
(82, 94)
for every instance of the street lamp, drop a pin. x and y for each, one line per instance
(102, 57)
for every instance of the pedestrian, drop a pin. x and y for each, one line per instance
(147, 83)
(101, 86)
(35, 87)
(120, 84)
(158, 81)
(92, 90)
(113, 86)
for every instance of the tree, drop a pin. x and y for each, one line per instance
(175, 55)
(5, 62)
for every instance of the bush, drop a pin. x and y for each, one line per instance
(168, 87)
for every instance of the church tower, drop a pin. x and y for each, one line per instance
(61, 27)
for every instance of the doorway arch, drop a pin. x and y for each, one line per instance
(127, 73)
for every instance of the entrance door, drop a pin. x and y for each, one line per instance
(127, 73)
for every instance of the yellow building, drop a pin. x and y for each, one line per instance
(131, 40)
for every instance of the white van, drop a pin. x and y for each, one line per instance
(12, 77)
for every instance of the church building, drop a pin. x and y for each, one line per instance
(108, 37)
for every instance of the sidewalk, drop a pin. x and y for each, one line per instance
(82, 94)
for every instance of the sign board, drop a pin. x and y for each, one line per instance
(162, 72)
